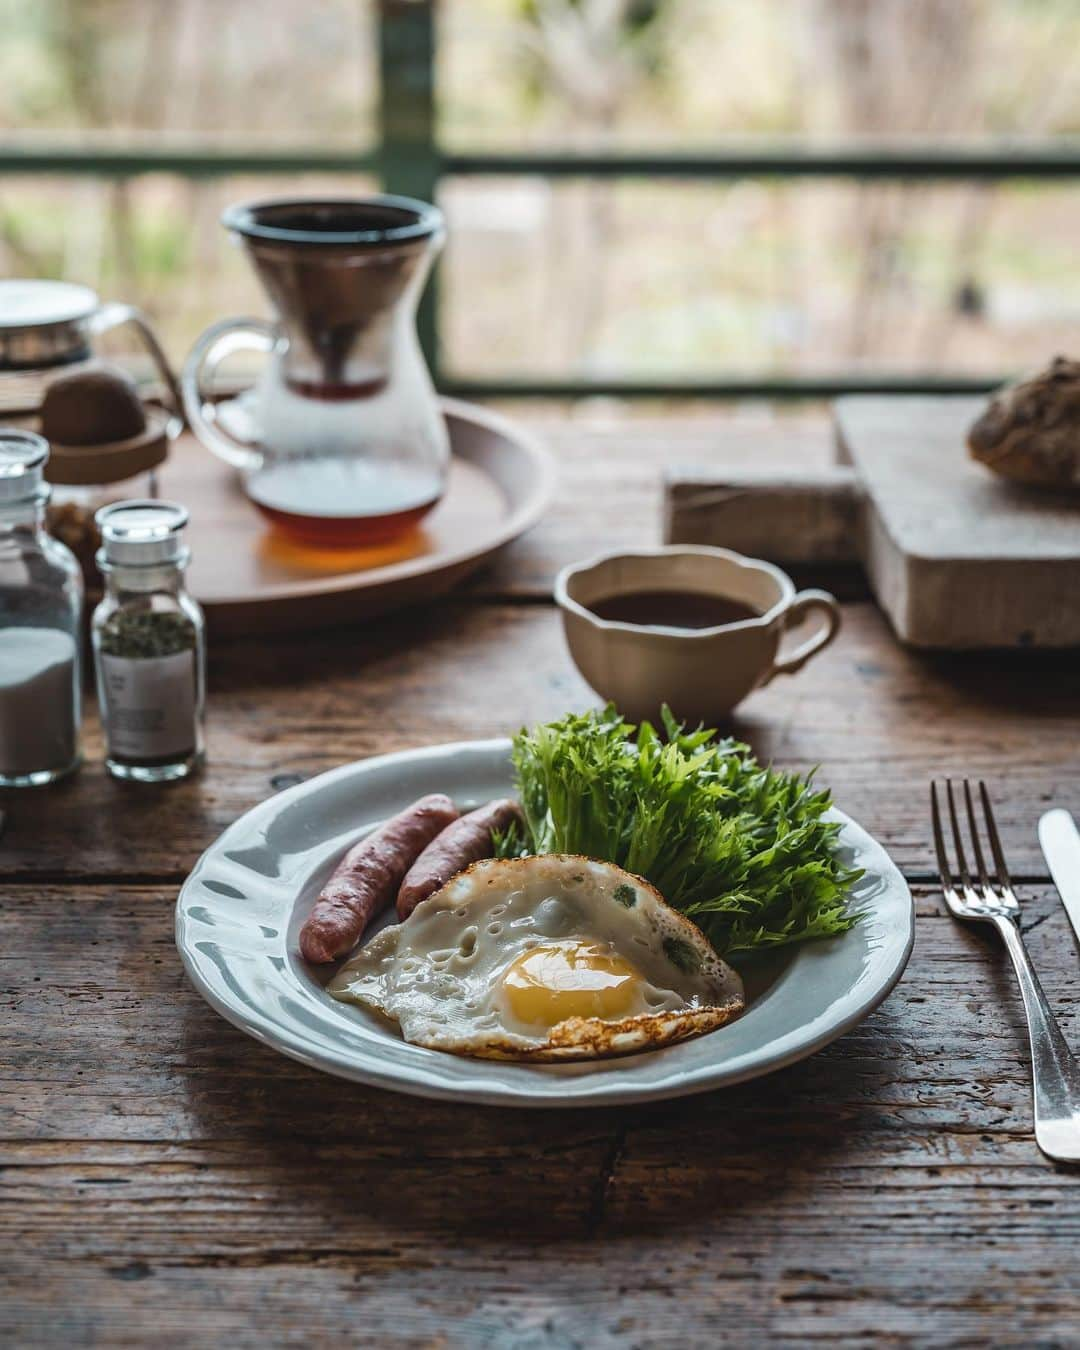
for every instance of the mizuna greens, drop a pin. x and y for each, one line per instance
(741, 849)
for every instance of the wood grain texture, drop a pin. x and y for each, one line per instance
(169, 1181)
(161, 1169)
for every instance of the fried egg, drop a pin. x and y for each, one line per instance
(545, 958)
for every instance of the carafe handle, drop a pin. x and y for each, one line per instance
(218, 342)
(113, 315)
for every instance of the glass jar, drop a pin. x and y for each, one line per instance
(41, 597)
(149, 644)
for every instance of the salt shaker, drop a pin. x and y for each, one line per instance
(41, 597)
(149, 644)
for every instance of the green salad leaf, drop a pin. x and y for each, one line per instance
(741, 849)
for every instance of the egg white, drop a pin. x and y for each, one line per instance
(441, 975)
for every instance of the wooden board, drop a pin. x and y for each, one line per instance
(957, 557)
(795, 515)
(250, 578)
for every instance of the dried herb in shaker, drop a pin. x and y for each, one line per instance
(146, 633)
(148, 645)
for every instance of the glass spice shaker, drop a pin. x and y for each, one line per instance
(149, 644)
(41, 598)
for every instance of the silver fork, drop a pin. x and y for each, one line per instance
(1055, 1073)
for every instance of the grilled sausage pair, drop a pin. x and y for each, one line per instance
(412, 855)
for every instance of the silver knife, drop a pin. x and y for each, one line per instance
(1060, 841)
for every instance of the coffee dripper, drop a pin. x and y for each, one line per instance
(341, 440)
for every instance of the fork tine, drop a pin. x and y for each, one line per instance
(961, 859)
(980, 865)
(1004, 880)
(939, 841)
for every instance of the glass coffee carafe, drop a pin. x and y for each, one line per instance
(340, 439)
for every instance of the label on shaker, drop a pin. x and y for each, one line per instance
(150, 705)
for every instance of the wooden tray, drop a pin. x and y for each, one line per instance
(251, 579)
(957, 557)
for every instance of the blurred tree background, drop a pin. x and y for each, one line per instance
(581, 277)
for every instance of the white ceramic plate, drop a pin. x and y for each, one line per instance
(240, 911)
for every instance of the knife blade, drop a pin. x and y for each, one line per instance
(1060, 842)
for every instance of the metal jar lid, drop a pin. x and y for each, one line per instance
(141, 533)
(44, 323)
(22, 465)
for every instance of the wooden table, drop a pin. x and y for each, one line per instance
(170, 1182)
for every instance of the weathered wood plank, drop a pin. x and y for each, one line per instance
(159, 1168)
(658, 1290)
(878, 720)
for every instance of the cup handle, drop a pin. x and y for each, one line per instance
(114, 315)
(806, 602)
(196, 382)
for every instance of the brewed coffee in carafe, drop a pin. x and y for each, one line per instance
(333, 501)
(341, 440)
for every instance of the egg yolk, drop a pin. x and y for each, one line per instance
(548, 984)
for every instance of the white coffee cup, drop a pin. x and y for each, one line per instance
(701, 673)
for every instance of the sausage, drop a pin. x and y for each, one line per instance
(365, 880)
(466, 841)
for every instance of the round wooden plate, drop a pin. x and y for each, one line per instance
(251, 579)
